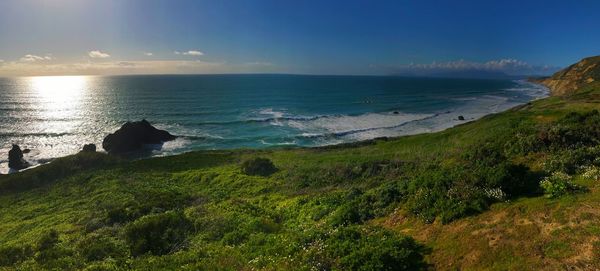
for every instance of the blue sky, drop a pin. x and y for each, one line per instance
(39, 37)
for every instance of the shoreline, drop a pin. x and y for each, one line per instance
(451, 122)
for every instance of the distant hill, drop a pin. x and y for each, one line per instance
(574, 77)
(467, 73)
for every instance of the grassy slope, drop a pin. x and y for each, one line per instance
(524, 234)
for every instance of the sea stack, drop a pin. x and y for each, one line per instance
(89, 148)
(15, 158)
(133, 136)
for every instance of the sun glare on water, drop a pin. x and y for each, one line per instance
(59, 88)
(59, 97)
(59, 92)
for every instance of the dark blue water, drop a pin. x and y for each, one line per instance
(55, 116)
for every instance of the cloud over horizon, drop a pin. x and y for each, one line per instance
(190, 53)
(133, 67)
(34, 58)
(98, 54)
(506, 66)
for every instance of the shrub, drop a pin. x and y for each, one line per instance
(146, 201)
(258, 167)
(513, 180)
(11, 255)
(445, 194)
(157, 234)
(359, 207)
(591, 173)
(570, 160)
(558, 184)
(387, 195)
(51, 254)
(347, 214)
(235, 237)
(489, 168)
(495, 194)
(357, 248)
(47, 240)
(574, 130)
(97, 247)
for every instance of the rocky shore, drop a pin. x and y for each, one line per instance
(131, 137)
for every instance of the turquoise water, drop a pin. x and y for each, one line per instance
(55, 116)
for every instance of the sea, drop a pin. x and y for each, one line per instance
(55, 116)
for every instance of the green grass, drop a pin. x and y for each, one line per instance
(374, 191)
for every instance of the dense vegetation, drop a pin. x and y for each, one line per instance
(367, 206)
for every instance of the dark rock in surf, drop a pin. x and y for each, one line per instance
(133, 136)
(89, 148)
(461, 118)
(26, 150)
(15, 158)
(396, 112)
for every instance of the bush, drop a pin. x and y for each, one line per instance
(388, 195)
(146, 201)
(445, 194)
(575, 130)
(47, 240)
(513, 180)
(357, 248)
(361, 207)
(570, 160)
(258, 167)
(591, 173)
(491, 169)
(97, 247)
(157, 234)
(51, 254)
(347, 214)
(11, 255)
(558, 184)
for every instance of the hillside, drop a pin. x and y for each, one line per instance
(574, 77)
(519, 190)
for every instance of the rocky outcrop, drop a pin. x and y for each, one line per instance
(89, 148)
(15, 158)
(133, 136)
(574, 77)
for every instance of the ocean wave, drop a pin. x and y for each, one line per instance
(340, 124)
(261, 120)
(41, 134)
(361, 130)
(531, 89)
(291, 143)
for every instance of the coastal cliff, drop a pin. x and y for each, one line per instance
(569, 80)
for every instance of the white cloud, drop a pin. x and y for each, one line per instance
(133, 67)
(34, 58)
(508, 66)
(148, 54)
(190, 53)
(98, 54)
(462, 64)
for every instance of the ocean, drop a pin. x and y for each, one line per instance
(55, 116)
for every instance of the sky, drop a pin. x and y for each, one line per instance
(69, 37)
